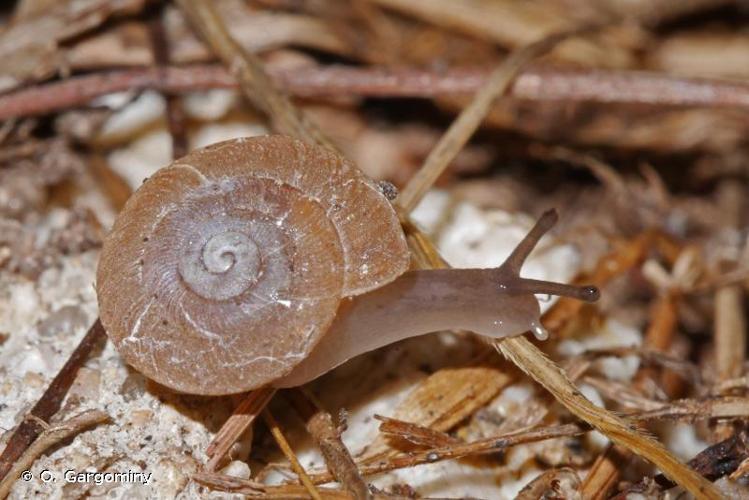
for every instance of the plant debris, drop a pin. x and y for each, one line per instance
(474, 116)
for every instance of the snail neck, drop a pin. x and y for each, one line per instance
(416, 303)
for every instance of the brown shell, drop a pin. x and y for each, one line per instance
(225, 269)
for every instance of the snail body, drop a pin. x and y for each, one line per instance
(266, 261)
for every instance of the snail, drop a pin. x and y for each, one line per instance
(266, 261)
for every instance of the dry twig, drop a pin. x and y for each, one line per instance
(175, 113)
(327, 437)
(730, 318)
(453, 451)
(690, 410)
(416, 434)
(463, 127)
(275, 430)
(50, 436)
(249, 72)
(241, 419)
(716, 461)
(28, 430)
(536, 84)
(232, 484)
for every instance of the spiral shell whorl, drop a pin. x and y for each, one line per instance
(225, 266)
(225, 269)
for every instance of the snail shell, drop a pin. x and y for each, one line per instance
(226, 268)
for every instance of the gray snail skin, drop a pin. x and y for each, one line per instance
(267, 262)
(494, 302)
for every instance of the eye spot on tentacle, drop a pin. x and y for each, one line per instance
(590, 293)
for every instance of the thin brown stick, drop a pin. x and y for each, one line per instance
(283, 444)
(533, 84)
(480, 447)
(716, 461)
(327, 437)
(175, 113)
(718, 407)
(454, 451)
(51, 436)
(690, 410)
(469, 120)
(604, 473)
(730, 316)
(28, 430)
(248, 69)
(253, 489)
(730, 320)
(244, 414)
(416, 434)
